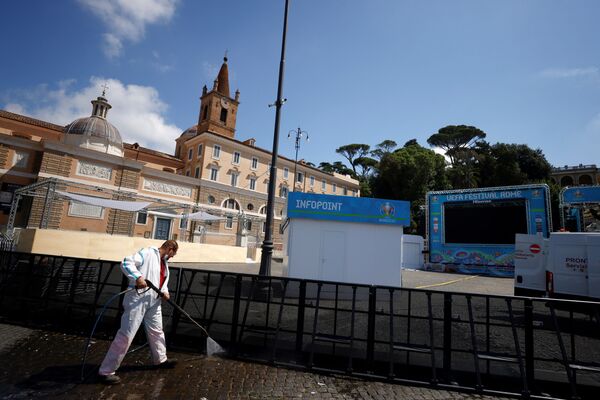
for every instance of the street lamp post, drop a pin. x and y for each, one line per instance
(299, 133)
(267, 246)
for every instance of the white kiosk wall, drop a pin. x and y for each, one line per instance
(345, 250)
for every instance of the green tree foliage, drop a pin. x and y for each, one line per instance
(365, 166)
(353, 152)
(505, 164)
(454, 138)
(408, 174)
(383, 148)
(337, 167)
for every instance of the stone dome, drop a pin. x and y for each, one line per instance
(190, 132)
(95, 132)
(94, 126)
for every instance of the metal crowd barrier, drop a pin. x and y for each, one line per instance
(498, 345)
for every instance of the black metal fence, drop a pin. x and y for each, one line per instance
(536, 348)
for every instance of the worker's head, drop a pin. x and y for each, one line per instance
(169, 249)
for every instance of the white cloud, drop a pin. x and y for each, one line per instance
(562, 73)
(137, 111)
(14, 108)
(127, 19)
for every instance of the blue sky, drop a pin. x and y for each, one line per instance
(524, 71)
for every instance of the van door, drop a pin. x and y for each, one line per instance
(530, 264)
(569, 263)
(593, 252)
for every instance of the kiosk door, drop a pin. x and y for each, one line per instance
(333, 256)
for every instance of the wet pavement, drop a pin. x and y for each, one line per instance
(47, 364)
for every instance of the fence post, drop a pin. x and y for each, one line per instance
(371, 327)
(176, 314)
(448, 336)
(529, 361)
(235, 313)
(300, 320)
(124, 285)
(74, 284)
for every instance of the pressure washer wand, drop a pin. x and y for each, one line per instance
(212, 347)
(176, 306)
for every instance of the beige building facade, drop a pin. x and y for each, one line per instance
(576, 175)
(209, 170)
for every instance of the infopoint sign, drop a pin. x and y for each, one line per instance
(348, 209)
(473, 231)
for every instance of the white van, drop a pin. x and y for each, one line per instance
(567, 265)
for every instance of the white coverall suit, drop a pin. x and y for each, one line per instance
(139, 307)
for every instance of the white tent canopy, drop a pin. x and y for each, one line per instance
(97, 201)
(197, 216)
(137, 206)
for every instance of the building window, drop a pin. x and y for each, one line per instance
(299, 177)
(142, 218)
(250, 207)
(286, 173)
(211, 199)
(231, 204)
(333, 187)
(234, 179)
(312, 181)
(229, 223)
(345, 191)
(187, 173)
(248, 224)
(283, 192)
(20, 159)
(264, 226)
(353, 192)
(262, 210)
(254, 163)
(236, 157)
(190, 154)
(183, 223)
(85, 210)
(214, 172)
(217, 151)
(199, 150)
(223, 117)
(205, 112)
(323, 185)
(197, 173)
(252, 183)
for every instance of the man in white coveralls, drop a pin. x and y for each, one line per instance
(142, 305)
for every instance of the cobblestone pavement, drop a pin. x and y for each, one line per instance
(44, 364)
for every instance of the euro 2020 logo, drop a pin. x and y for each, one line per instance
(387, 209)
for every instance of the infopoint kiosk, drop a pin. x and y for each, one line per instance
(473, 230)
(346, 239)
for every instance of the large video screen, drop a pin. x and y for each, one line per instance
(494, 222)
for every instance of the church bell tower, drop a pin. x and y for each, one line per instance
(218, 111)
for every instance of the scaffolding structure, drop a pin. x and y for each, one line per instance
(47, 196)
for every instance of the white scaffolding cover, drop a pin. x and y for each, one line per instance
(97, 201)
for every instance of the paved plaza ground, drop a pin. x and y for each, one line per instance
(452, 282)
(39, 363)
(46, 365)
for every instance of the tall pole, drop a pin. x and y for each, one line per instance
(298, 133)
(267, 246)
